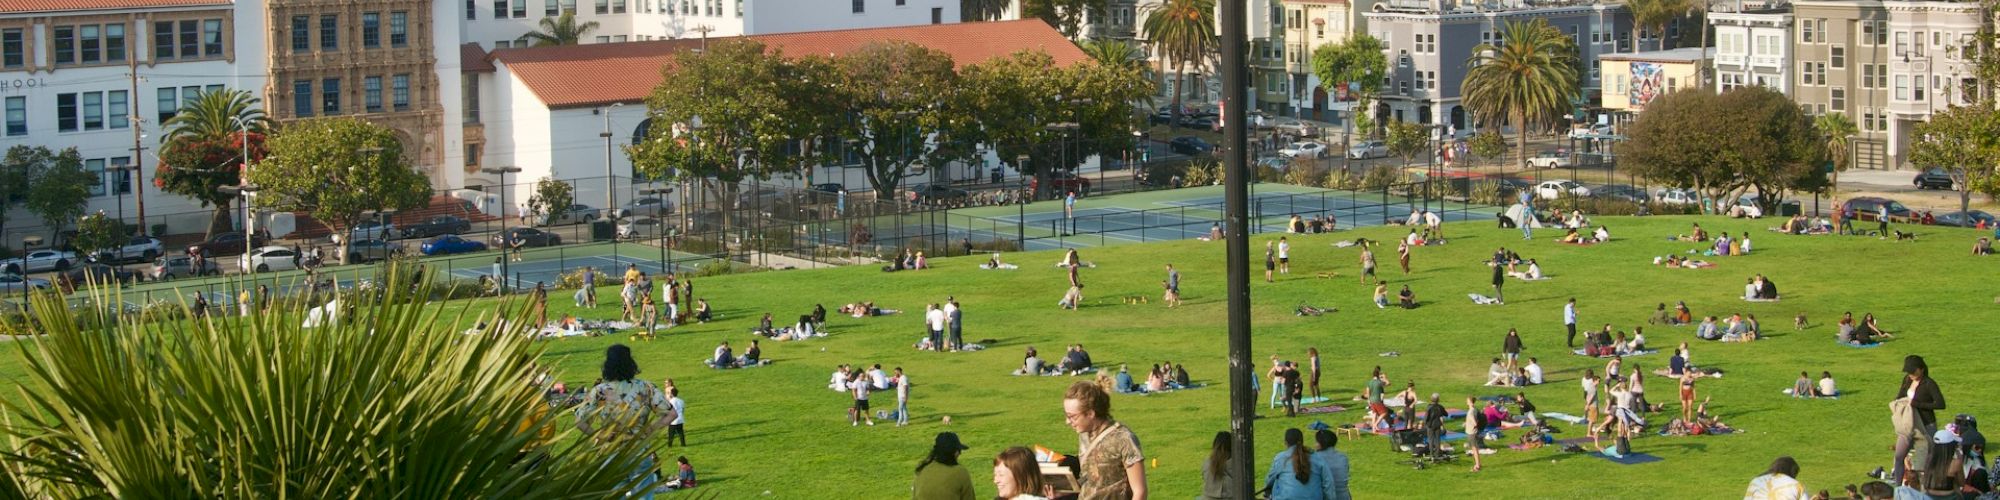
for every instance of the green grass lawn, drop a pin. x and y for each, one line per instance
(777, 429)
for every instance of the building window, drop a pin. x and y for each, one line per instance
(371, 30)
(120, 108)
(168, 104)
(470, 99)
(329, 32)
(1867, 76)
(65, 42)
(399, 29)
(190, 39)
(500, 9)
(96, 168)
(1806, 31)
(618, 6)
(859, 7)
(739, 10)
(1902, 87)
(1917, 89)
(1839, 57)
(66, 112)
(551, 8)
(371, 93)
(211, 38)
(329, 91)
(520, 9)
(603, 6)
(122, 182)
(401, 84)
(604, 39)
(17, 115)
(937, 14)
(90, 46)
(1839, 95)
(570, 6)
(503, 44)
(301, 34)
(302, 98)
(471, 10)
(1902, 43)
(163, 40)
(13, 48)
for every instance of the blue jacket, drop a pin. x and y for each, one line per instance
(1336, 464)
(1285, 485)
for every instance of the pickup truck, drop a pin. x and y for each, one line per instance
(438, 226)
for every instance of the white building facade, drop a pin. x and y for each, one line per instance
(505, 23)
(1754, 47)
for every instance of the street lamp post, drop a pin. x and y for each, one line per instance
(666, 265)
(245, 191)
(610, 178)
(501, 280)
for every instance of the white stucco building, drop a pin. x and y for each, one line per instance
(497, 24)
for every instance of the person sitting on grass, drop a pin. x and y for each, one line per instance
(866, 309)
(1600, 235)
(1696, 235)
(1156, 380)
(1497, 374)
(1802, 387)
(1031, 364)
(1381, 294)
(1122, 383)
(1708, 330)
(752, 357)
(1571, 237)
(1407, 298)
(1534, 271)
(1983, 247)
(1638, 341)
(1660, 316)
(1739, 330)
(1682, 315)
(701, 312)
(724, 357)
(1826, 388)
(1870, 329)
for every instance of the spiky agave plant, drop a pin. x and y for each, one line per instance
(394, 400)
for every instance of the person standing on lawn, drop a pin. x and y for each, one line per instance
(1569, 320)
(1367, 263)
(1403, 256)
(1499, 278)
(1108, 453)
(1510, 349)
(954, 320)
(902, 398)
(678, 426)
(1284, 256)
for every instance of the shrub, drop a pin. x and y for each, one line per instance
(1203, 173)
(1381, 177)
(1305, 173)
(395, 402)
(1341, 178)
(723, 267)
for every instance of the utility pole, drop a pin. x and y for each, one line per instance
(610, 179)
(703, 29)
(1236, 196)
(138, 148)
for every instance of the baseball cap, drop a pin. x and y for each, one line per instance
(949, 440)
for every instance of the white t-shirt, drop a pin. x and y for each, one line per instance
(1826, 386)
(879, 379)
(935, 318)
(903, 388)
(1534, 373)
(680, 410)
(1284, 249)
(1431, 219)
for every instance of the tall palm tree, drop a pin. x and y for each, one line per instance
(1655, 14)
(202, 149)
(1114, 53)
(562, 30)
(1839, 130)
(1182, 31)
(982, 10)
(216, 115)
(1530, 78)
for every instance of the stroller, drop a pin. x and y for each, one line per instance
(1425, 446)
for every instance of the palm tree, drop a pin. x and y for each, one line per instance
(1114, 53)
(1182, 31)
(1655, 14)
(1839, 130)
(1530, 78)
(562, 30)
(220, 125)
(982, 10)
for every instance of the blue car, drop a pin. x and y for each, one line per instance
(450, 244)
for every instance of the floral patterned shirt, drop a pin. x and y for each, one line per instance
(630, 407)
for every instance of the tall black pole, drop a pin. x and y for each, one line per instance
(1236, 194)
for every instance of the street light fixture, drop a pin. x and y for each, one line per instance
(246, 191)
(501, 280)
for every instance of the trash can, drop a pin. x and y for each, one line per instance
(1788, 208)
(603, 230)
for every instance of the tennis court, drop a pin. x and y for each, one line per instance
(1188, 214)
(549, 267)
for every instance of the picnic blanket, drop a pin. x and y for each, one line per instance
(1580, 352)
(1003, 266)
(1088, 264)
(1629, 458)
(1343, 243)
(1314, 400)
(1322, 409)
(1563, 417)
(1860, 346)
(1482, 299)
(1748, 299)
(1543, 278)
(711, 364)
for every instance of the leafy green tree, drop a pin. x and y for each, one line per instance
(98, 231)
(551, 196)
(14, 168)
(1839, 132)
(390, 401)
(338, 169)
(1721, 145)
(58, 185)
(1357, 61)
(1655, 15)
(1528, 79)
(1017, 98)
(893, 131)
(1407, 140)
(561, 30)
(1488, 145)
(1964, 141)
(1065, 15)
(1182, 33)
(1114, 53)
(982, 10)
(203, 150)
(723, 116)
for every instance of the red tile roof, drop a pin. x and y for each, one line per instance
(583, 75)
(472, 59)
(36, 6)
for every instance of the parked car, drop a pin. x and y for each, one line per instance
(1189, 145)
(1935, 178)
(1274, 162)
(266, 259)
(449, 244)
(166, 268)
(1970, 218)
(1299, 128)
(648, 207)
(1199, 121)
(528, 236)
(99, 273)
(1586, 132)
(633, 228)
(1676, 196)
(1549, 190)
(829, 187)
(577, 213)
(15, 283)
(374, 229)
(1550, 159)
(1162, 117)
(1868, 208)
(1368, 149)
(373, 250)
(226, 244)
(938, 194)
(437, 225)
(1063, 181)
(1303, 149)
(138, 249)
(1619, 192)
(39, 261)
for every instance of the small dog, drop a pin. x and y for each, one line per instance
(1901, 236)
(1135, 299)
(1800, 321)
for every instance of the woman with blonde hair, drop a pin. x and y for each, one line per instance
(1017, 476)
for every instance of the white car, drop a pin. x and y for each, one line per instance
(1303, 149)
(1586, 132)
(267, 259)
(39, 261)
(374, 230)
(1549, 159)
(139, 249)
(640, 227)
(576, 214)
(15, 283)
(1296, 127)
(1549, 190)
(1675, 196)
(1368, 149)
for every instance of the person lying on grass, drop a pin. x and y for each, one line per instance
(866, 309)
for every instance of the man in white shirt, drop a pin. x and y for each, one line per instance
(1534, 369)
(680, 413)
(934, 319)
(1569, 320)
(952, 317)
(902, 398)
(877, 379)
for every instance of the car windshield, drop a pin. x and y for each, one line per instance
(1895, 207)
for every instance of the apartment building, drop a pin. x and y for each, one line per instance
(1429, 42)
(1309, 25)
(1269, 81)
(506, 23)
(1886, 64)
(1633, 80)
(1753, 47)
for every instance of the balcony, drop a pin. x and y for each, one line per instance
(1767, 61)
(1729, 59)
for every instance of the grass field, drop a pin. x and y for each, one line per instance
(777, 429)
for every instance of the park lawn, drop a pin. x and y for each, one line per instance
(777, 429)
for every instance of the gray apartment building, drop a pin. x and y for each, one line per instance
(1430, 40)
(1888, 65)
